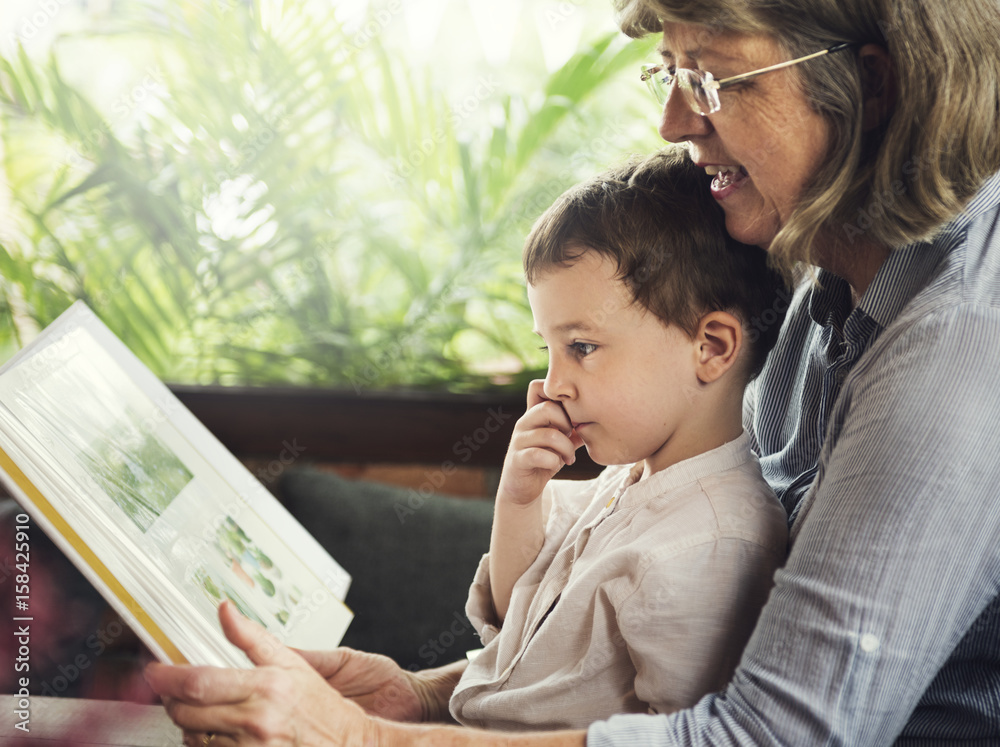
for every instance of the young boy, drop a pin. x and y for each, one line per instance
(638, 590)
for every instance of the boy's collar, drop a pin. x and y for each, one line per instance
(633, 490)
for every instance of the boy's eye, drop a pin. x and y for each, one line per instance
(582, 349)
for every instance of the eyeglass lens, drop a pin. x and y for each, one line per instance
(697, 95)
(699, 98)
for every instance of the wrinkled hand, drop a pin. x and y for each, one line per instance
(283, 701)
(376, 683)
(542, 443)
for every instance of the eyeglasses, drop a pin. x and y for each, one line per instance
(701, 89)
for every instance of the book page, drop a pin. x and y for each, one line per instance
(148, 492)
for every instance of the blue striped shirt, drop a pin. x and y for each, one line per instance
(879, 428)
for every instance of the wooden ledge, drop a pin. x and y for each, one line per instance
(324, 425)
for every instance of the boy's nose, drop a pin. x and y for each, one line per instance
(558, 387)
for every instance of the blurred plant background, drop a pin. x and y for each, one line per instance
(306, 193)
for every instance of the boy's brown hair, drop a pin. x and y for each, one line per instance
(656, 219)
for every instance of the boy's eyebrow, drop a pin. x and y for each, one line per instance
(569, 327)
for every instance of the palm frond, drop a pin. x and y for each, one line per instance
(288, 207)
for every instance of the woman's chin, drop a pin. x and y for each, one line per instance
(755, 230)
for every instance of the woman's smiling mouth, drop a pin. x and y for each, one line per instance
(726, 179)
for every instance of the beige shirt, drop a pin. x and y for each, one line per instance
(641, 604)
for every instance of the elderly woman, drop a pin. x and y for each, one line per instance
(861, 137)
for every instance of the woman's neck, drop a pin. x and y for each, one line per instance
(857, 263)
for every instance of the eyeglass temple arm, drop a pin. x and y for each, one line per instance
(649, 72)
(782, 65)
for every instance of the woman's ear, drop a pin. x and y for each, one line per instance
(878, 85)
(718, 342)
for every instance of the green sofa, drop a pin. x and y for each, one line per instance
(411, 558)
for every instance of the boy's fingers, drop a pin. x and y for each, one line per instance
(547, 414)
(536, 393)
(548, 440)
(542, 459)
(546, 436)
(553, 410)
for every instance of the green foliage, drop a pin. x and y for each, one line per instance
(274, 203)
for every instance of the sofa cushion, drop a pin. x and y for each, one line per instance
(411, 557)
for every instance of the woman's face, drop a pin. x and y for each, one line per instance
(765, 143)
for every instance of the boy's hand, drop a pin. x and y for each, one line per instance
(543, 441)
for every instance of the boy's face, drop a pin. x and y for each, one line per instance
(626, 380)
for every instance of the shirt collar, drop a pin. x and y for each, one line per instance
(830, 300)
(905, 271)
(986, 199)
(633, 491)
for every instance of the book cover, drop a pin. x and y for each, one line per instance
(156, 513)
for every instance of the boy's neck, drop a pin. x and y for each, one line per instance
(720, 420)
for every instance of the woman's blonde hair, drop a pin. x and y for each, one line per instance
(900, 182)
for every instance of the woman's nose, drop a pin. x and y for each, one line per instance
(678, 121)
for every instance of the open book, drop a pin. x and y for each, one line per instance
(155, 512)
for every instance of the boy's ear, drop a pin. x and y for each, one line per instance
(718, 342)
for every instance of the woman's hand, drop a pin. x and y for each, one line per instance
(383, 688)
(286, 701)
(283, 701)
